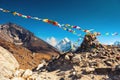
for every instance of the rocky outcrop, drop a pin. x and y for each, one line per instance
(8, 64)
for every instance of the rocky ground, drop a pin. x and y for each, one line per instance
(91, 61)
(83, 66)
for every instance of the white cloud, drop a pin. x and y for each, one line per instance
(52, 41)
(110, 43)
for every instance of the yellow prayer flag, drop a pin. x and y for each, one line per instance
(14, 13)
(45, 20)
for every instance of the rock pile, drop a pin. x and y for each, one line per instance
(90, 42)
(86, 66)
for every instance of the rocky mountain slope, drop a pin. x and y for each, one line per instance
(25, 47)
(20, 36)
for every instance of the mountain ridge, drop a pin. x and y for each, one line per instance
(18, 35)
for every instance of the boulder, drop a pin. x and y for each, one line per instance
(76, 59)
(27, 73)
(8, 63)
(18, 73)
(89, 70)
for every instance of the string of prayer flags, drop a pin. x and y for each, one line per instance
(55, 23)
(66, 27)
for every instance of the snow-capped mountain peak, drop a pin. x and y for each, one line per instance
(66, 39)
(65, 45)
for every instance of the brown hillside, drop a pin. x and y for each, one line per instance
(24, 56)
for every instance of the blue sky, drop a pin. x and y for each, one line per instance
(101, 15)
